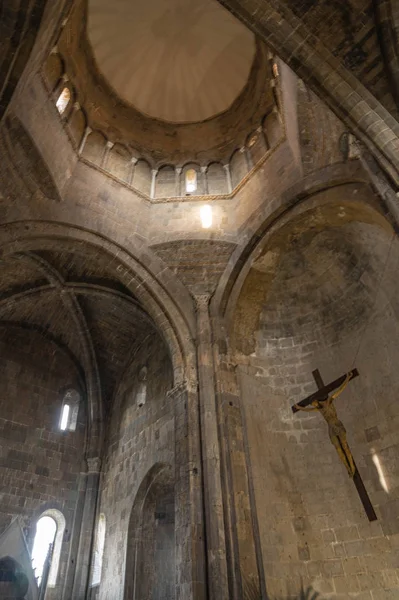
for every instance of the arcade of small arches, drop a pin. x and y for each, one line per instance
(159, 181)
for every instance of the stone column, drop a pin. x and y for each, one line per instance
(75, 537)
(84, 554)
(248, 158)
(133, 163)
(204, 179)
(178, 172)
(108, 147)
(228, 177)
(153, 178)
(262, 135)
(245, 565)
(75, 108)
(86, 134)
(214, 517)
(62, 82)
(189, 527)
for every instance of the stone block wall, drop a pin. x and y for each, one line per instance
(139, 437)
(332, 305)
(39, 464)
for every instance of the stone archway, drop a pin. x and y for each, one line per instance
(317, 291)
(150, 556)
(146, 296)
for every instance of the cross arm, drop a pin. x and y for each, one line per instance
(323, 392)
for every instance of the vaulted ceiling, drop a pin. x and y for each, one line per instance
(71, 295)
(173, 60)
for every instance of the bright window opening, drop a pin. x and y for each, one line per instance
(44, 539)
(206, 216)
(98, 551)
(191, 181)
(141, 395)
(69, 410)
(65, 417)
(63, 100)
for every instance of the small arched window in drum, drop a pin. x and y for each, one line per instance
(63, 100)
(191, 181)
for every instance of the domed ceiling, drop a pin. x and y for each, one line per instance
(176, 60)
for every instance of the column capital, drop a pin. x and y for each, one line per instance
(134, 160)
(94, 464)
(65, 78)
(109, 145)
(76, 106)
(202, 301)
(178, 170)
(204, 169)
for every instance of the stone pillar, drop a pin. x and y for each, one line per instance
(262, 135)
(178, 172)
(133, 164)
(75, 537)
(83, 558)
(228, 177)
(153, 178)
(189, 526)
(86, 134)
(245, 565)
(204, 179)
(248, 158)
(214, 517)
(63, 81)
(108, 147)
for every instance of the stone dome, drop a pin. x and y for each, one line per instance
(176, 60)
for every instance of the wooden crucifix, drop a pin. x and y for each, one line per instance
(324, 403)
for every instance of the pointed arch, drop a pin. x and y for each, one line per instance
(158, 482)
(151, 286)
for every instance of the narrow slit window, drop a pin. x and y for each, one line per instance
(191, 181)
(141, 395)
(69, 410)
(63, 100)
(98, 551)
(206, 216)
(66, 409)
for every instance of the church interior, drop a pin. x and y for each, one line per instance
(199, 300)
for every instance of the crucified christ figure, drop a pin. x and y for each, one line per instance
(336, 429)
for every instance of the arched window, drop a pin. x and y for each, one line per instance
(98, 551)
(69, 410)
(191, 181)
(63, 100)
(47, 543)
(141, 395)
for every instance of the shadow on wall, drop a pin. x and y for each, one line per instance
(29, 172)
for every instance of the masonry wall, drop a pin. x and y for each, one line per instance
(39, 464)
(330, 304)
(139, 437)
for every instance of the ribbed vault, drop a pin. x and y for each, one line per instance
(74, 299)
